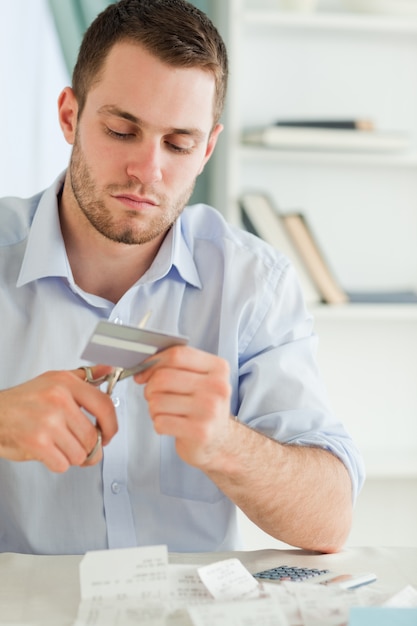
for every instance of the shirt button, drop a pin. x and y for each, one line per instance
(116, 402)
(117, 320)
(115, 487)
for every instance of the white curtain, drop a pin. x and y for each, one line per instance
(32, 74)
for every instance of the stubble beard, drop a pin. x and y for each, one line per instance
(130, 229)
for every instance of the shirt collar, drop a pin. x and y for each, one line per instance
(45, 254)
(174, 252)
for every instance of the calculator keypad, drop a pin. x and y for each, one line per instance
(295, 574)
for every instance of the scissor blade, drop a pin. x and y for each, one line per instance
(131, 371)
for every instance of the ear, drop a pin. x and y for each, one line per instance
(68, 112)
(211, 144)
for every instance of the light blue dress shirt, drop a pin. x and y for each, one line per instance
(232, 295)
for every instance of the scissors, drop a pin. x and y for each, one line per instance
(119, 373)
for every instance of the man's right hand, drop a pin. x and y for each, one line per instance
(42, 419)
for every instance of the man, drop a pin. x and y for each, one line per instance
(237, 417)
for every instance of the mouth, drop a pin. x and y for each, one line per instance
(137, 203)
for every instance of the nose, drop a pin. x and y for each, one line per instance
(145, 163)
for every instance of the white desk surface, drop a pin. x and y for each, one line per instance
(46, 588)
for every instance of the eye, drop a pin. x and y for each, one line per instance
(117, 135)
(179, 149)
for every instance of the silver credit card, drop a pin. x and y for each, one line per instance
(126, 346)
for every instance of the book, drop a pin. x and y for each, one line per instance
(342, 123)
(406, 296)
(326, 139)
(291, 233)
(314, 260)
(261, 218)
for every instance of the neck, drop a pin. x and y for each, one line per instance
(99, 265)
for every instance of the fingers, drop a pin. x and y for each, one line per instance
(188, 393)
(182, 370)
(64, 451)
(45, 420)
(183, 358)
(96, 403)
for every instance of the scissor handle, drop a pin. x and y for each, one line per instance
(96, 382)
(113, 378)
(119, 373)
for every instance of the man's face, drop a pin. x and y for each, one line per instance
(143, 137)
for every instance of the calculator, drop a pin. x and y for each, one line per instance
(294, 574)
(313, 575)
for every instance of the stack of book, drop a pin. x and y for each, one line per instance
(338, 135)
(291, 234)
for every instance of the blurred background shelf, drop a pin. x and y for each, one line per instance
(341, 21)
(362, 208)
(354, 159)
(359, 312)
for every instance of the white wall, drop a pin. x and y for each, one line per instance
(32, 73)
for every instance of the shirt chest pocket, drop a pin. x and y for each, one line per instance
(180, 480)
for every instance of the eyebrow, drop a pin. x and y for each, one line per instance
(113, 110)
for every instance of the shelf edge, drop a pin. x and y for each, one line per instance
(342, 21)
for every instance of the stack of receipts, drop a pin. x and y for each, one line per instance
(134, 586)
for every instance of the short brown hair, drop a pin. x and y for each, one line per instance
(174, 31)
